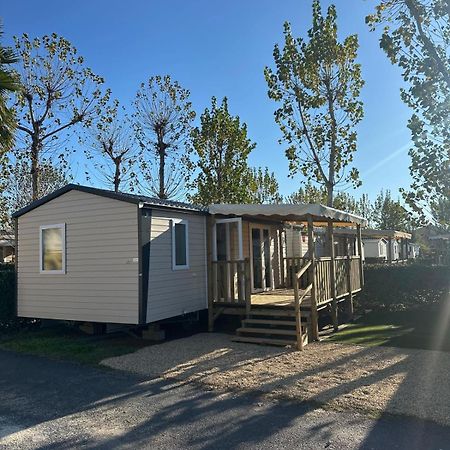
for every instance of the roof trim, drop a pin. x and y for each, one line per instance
(123, 197)
(290, 212)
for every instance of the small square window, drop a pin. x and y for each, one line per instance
(52, 252)
(180, 247)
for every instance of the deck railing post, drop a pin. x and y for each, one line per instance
(349, 281)
(311, 251)
(209, 244)
(248, 294)
(361, 270)
(298, 318)
(334, 306)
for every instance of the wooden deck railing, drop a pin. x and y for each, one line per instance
(347, 277)
(298, 298)
(293, 265)
(231, 281)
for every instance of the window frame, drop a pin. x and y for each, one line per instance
(186, 234)
(60, 226)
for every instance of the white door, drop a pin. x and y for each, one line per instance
(261, 258)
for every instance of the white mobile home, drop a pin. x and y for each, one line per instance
(375, 249)
(413, 250)
(87, 254)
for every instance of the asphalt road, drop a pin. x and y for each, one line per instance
(59, 405)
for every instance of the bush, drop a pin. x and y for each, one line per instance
(7, 294)
(8, 319)
(397, 288)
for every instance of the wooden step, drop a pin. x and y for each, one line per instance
(265, 331)
(277, 312)
(266, 341)
(286, 323)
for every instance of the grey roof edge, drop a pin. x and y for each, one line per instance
(120, 196)
(286, 209)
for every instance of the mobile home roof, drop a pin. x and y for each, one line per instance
(121, 196)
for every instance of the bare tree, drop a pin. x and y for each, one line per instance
(18, 191)
(164, 118)
(58, 92)
(113, 149)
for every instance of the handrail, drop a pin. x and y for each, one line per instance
(298, 300)
(306, 292)
(303, 269)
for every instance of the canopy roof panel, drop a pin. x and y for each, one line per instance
(375, 234)
(290, 213)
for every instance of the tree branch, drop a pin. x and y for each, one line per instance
(24, 129)
(428, 44)
(311, 145)
(68, 124)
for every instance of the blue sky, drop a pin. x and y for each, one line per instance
(221, 48)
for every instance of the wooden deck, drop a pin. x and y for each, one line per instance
(277, 297)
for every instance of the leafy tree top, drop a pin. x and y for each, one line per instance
(416, 37)
(317, 83)
(222, 148)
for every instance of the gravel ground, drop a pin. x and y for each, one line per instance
(47, 404)
(367, 379)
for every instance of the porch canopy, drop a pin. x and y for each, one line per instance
(376, 234)
(321, 215)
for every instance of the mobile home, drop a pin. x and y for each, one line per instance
(86, 254)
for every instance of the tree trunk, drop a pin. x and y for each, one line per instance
(34, 172)
(330, 194)
(162, 161)
(117, 175)
(331, 168)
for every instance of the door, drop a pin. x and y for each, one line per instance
(261, 256)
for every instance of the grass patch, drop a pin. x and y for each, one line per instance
(70, 344)
(422, 329)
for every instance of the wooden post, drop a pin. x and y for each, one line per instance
(359, 242)
(281, 257)
(349, 281)
(312, 278)
(334, 307)
(390, 250)
(209, 225)
(248, 293)
(298, 318)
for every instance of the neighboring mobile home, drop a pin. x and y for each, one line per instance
(375, 249)
(413, 250)
(6, 247)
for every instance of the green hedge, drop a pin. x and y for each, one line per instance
(7, 295)
(404, 287)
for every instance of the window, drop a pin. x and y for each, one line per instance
(180, 247)
(53, 248)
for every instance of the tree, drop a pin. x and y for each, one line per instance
(318, 85)
(58, 92)
(389, 214)
(18, 191)
(222, 148)
(364, 208)
(113, 148)
(264, 186)
(308, 194)
(416, 37)
(8, 84)
(164, 118)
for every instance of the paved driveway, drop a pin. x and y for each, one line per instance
(49, 404)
